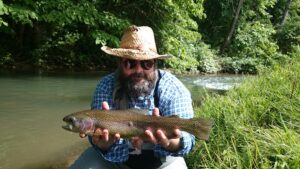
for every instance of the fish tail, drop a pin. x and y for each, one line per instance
(200, 127)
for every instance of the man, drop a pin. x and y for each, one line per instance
(137, 83)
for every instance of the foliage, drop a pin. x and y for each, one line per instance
(174, 25)
(253, 46)
(6, 60)
(288, 35)
(68, 34)
(207, 58)
(3, 11)
(62, 33)
(256, 124)
(295, 51)
(237, 65)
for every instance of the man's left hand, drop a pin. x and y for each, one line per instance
(159, 137)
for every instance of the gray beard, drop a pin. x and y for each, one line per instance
(140, 89)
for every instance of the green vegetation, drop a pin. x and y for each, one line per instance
(208, 36)
(257, 125)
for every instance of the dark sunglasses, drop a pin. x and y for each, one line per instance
(145, 64)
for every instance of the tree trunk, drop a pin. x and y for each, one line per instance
(232, 28)
(286, 12)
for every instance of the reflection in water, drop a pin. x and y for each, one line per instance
(31, 111)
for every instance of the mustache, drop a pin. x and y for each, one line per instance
(137, 75)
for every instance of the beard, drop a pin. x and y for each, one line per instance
(143, 87)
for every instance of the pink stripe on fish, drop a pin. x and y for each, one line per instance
(87, 126)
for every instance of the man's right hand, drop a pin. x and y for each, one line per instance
(101, 137)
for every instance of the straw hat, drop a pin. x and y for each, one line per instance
(137, 43)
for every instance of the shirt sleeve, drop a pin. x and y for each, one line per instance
(187, 143)
(182, 108)
(103, 92)
(175, 99)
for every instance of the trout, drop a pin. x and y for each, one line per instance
(134, 122)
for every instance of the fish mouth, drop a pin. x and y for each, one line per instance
(69, 120)
(68, 126)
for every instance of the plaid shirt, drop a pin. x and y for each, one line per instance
(174, 99)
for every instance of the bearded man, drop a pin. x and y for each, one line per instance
(138, 83)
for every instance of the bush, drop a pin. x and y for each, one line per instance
(253, 48)
(288, 35)
(257, 125)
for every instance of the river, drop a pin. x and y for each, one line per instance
(33, 104)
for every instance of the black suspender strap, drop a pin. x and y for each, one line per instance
(156, 99)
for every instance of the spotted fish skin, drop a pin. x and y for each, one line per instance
(133, 122)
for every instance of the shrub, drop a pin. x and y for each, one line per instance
(257, 125)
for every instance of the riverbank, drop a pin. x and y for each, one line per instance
(257, 125)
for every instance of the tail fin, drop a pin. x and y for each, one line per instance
(200, 127)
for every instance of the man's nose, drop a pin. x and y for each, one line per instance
(138, 68)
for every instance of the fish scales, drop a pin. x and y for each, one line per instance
(133, 122)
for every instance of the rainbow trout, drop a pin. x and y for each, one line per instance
(133, 122)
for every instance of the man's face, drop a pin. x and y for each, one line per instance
(139, 77)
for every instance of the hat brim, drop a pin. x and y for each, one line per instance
(133, 53)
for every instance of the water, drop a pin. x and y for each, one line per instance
(31, 110)
(219, 82)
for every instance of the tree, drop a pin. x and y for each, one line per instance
(286, 11)
(232, 27)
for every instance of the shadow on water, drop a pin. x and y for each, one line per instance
(32, 105)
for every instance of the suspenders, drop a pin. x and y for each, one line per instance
(156, 99)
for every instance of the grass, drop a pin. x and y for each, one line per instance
(257, 125)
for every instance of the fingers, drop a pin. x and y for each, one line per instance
(82, 135)
(97, 136)
(169, 144)
(117, 136)
(149, 133)
(150, 136)
(105, 106)
(136, 142)
(177, 133)
(155, 112)
(163, 140)
(103, 136)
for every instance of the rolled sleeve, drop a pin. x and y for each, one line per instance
(176, 101)
(187, 143)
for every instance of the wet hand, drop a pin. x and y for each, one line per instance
(101, 137)
(159, 137)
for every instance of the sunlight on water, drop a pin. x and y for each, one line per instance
(219, 82)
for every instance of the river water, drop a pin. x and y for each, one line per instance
(32, 106)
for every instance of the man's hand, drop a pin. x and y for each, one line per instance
(160, 138)
(101, 137)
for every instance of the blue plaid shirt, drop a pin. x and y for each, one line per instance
(174, 99)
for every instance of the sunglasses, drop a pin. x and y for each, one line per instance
(145, 64)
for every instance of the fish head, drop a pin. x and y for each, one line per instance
(78, 124)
